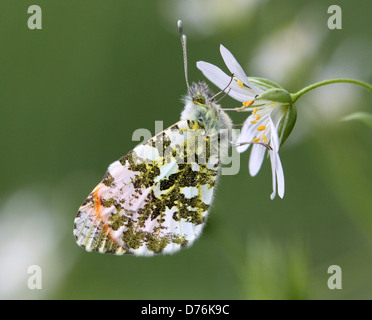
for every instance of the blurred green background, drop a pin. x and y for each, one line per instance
(73, 93)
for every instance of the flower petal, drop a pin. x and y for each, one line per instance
(247, 134)
(213, 73)
(256, 159)
(235, 68)
(221, 80)
(280, 177)
(275, 143)
(273, 171)
(277, 175)
(233, 65)
(277, 113)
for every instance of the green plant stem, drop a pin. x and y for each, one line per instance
(298, 94)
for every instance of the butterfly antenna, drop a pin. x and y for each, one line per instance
(217, 94)
(254, 142)
(183, 42)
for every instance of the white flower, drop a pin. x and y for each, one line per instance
(262, 126)
(237, 89)
(271, 120)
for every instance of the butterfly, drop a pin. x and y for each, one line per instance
(156, 199)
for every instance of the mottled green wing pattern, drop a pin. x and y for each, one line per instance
(156, 198)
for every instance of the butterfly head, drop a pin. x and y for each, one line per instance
(200, 93)
(200, 106)
(199, 102)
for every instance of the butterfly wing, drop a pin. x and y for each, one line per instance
(155, 199)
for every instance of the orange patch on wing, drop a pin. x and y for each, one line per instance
(98, 209)
(98, 203)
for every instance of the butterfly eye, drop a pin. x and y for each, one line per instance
(198, 99)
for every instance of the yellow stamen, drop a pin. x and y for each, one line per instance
(254, 111)
(258, 117)
(261, 128)
(239, 83)
(256, 140)
(254, 121)
(264, 138)
(248, 103)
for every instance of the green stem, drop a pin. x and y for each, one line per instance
(298, 94)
